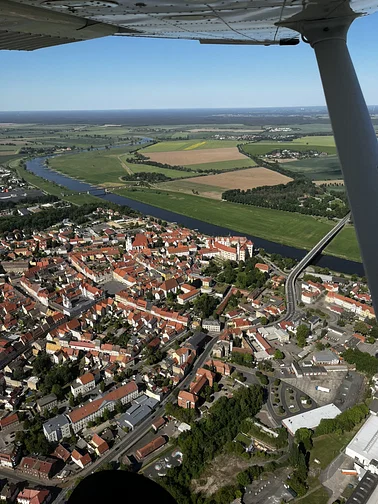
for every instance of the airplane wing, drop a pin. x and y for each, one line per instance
(33, 24)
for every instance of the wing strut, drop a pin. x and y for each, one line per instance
(354, 133)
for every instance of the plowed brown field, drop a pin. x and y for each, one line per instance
(192, 157)
(243, 179)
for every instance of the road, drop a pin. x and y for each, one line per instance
(290, 288)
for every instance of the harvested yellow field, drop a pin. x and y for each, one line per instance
(192, 157)
(243, 179)
(195, 146)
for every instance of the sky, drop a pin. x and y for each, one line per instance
(133, 73)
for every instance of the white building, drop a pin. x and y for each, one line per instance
(310, 419)
(57, 428)
(211, 325)
(364, 446)
(83, 384)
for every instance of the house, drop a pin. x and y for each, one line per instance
(149, 448)
(325, 358)
(9, 422)
(10, 456)
(83, 384)
(264, 268)
(158, 423)
(219, 367)
(57, 428)
(187, 400)
(187, 297)
(196, 342)
(37, 467)
(99, 444)
(34, 496)
(9, 492)
(81, 460)
(61, 453)
(211, 325)
(47, 403)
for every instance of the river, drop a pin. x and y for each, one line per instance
(38, 167)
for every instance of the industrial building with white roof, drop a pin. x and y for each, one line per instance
(310, 419)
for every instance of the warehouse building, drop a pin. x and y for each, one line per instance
(363, 448)
(140, 409)
(310, 419)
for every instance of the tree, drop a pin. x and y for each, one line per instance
(102, 387)
(303, 331)
(361, 327)
(278, 355)
(304, 436)
(71, 400)
(243, 478)
(57, 390)
(106, 415)
(41, 364)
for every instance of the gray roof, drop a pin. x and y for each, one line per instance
(364, 489)
(138, 411)
(55, 423)
(210, 322)
(325, 355)
(197, 340)
(138, 414)
(374, 405)
(45, 400)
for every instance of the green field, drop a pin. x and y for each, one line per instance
(188, 186)
(95, 167)
(137, 168)
(326, 140)
(345, 245)
(224, 165)
(300, 231)
(106, 167)
(327, 447)
(318, 496)
(260, 148)
(180, 145)
(325, 168)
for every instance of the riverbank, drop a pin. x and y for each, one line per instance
(52, 188)
(300, 231)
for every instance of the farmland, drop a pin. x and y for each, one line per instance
(325, 168)
(225, 165)
(199, 156)
(243, 179)
(184, 145)
(300, 231)
(190, 186)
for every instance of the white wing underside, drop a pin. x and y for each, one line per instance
(32, 24)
